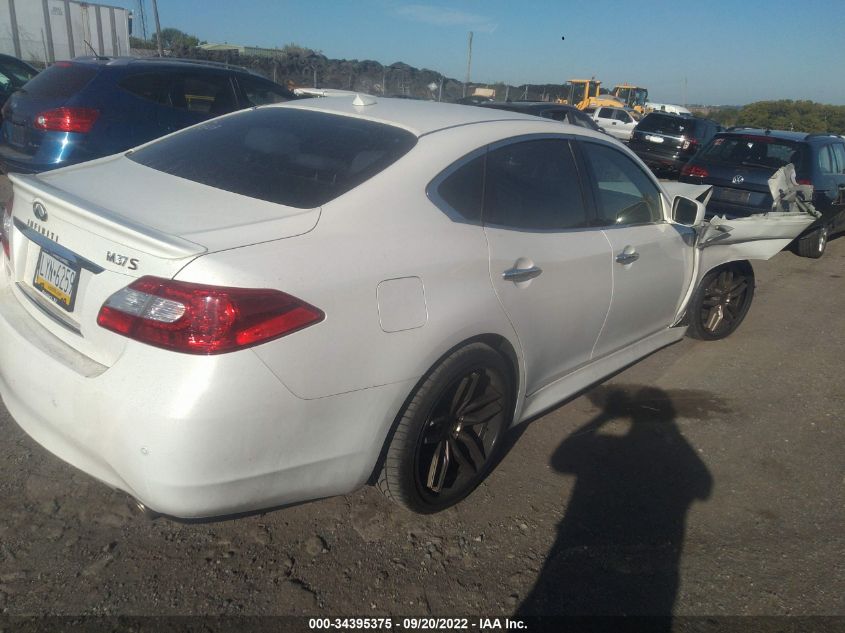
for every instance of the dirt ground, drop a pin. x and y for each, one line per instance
(709, 479)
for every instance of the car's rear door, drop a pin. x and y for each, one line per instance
(652, 263)
(551, 269)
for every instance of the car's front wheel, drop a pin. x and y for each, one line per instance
(814, 244)
(721, 301)
(448, 436)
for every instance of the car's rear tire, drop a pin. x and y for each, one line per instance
(721, 301)
(813, 245)
(448, 436)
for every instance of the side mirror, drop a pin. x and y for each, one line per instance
(687, 212)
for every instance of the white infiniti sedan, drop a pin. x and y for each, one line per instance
(289, 302)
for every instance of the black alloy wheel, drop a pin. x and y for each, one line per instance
(721, 301)
(448, 436)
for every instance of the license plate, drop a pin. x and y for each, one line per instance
(654, 139)
(17, 134)
(57, 278)
(737, 196)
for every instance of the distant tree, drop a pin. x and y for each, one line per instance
(137, 42)
(800, 116)
(174, 38)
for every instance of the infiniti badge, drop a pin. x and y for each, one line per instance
(738, 179)
(39, 211)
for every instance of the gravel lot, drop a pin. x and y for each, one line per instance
(707, 479)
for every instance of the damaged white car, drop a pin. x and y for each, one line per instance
(290, 302)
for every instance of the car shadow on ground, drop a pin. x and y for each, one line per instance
(619, 544)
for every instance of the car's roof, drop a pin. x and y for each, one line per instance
(418, 117)
(527, 105)
(159, 62)
(785, 135)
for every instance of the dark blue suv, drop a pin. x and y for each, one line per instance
(740, 162)
(96, 106)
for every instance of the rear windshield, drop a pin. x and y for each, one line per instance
(667, 124)
(753, 151)
(298, 158)
(61, 80)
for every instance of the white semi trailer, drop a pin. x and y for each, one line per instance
(43, 31)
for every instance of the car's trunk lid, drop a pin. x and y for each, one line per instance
(75, 242)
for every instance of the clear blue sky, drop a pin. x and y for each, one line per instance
(729, 51)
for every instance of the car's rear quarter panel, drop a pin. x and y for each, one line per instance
(338, 268)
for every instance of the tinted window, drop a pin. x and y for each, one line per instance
(60, 80)
(14, 74)
(666, 124)
(298, 158)
(753, 151)
(258, 92)
(625, 194)
(557, 115)
(211, 94)
(150, 86)
(605, 113)
(621, 115)
(826, 164)
(582, 120)
(533, 186)
(839, 154)
(464, 188)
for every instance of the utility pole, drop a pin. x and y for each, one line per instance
(158, 29)
(469, 62)
(685, 91)
(143, 16)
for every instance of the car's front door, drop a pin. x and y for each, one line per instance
(652, 264)
(550, 268)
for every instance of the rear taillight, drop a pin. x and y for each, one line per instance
(199, 319)
(695, 171)
(6, 228)
(804, 181)
(66, 120)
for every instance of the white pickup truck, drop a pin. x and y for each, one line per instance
(617, 122)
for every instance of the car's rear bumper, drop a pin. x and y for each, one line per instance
(189, 436)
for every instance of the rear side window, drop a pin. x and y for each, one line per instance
(533, 186)
(298, 158)
(839, 154)
(150, 86)
(826, 161)
(463, 189)
(61, 80)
